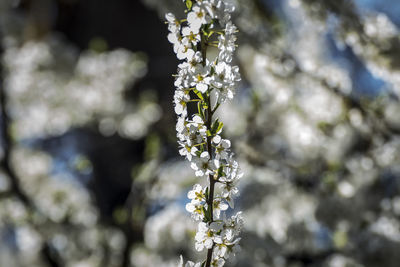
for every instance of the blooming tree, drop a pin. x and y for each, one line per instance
(207, 81)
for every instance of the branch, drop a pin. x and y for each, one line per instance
(210, 199)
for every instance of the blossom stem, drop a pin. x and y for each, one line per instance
(210, 199)
(209, 256)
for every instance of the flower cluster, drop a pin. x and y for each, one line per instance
(207, 82)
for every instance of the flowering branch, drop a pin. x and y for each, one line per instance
(207, 82)
(210, 199)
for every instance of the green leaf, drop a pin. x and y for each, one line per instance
(214, 126)
(189, 4)
(206, 212)
(219, 129)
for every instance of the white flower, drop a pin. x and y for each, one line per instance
(220, 249)
(191, 133)
(229, 191)
(183, 50)
(226, 248)
(219, 206)
(175, 39)
(194, 59)
(197, 194)
(190, 36)
(218, 262)
(216, 139)
(187, 151)
(182, 79)
(189, 263)
(181, 125)
(230, 29)
(224, 80)
(232, 169)
(197, 17)
(181, 98)
(196, 209)
(205, 235)
(234, 224)
(226, 45)
(222, 75)
(192, 264)
(203, 165)
(197, 124)
(201, 78)
(213, 8)
(173, 24)
(226, 243)
(221, 147)
(225, 16)
(235, 73)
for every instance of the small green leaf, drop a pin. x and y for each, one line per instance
(214, 126)
(206, 212)
(203, 209)
(219, 129)
(189, 4)
(202, 149)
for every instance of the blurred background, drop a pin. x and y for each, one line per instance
(90, 175)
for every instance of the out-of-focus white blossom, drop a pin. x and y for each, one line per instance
(167, 226)
(46, 99)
